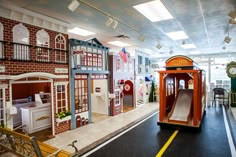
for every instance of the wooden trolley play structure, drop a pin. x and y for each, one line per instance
(182, 93)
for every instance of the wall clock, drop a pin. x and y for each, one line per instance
(231, 72)
(231, 69)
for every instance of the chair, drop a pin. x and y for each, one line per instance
(156, 95)
(220, 95)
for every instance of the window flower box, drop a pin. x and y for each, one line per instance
(67, 118)
(63, 116)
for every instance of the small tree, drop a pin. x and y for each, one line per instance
(151, 97)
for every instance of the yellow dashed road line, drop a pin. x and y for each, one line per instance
(159, 154)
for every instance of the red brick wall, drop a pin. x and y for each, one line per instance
(19, 67)
(63, 126)
(118, 76)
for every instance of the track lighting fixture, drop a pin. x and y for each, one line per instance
(158, 46)
(141, 37)
(73, 5)
(232, 21)
(227, 39)
(109, 21)
(115, 23)
(232, 14)
(171, 52)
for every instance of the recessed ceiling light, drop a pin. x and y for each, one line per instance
(118, 43)
(194, 52)
(154, 11)
(177, 35)
(188, 46)
(80, 31)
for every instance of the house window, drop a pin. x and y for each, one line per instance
(131, 65)
(140, 60)
(147, 64)
(60, 46)
(140, 64)
(117, 97)
(61, 97)
(92, 59)
(2, 108)
(118, 66)
(42, 51)
(21, 42)
(81, 95)
(1, 41)
(125, 67)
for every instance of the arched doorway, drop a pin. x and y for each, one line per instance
(128, 101)
(32, 96)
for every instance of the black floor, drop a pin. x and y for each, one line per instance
(232, 124)
(211, 141)
(147, 139)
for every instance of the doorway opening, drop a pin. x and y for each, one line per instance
(33, 100)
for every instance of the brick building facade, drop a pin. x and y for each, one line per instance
(34, 60)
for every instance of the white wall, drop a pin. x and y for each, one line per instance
(100, 102)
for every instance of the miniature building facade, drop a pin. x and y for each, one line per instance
(34, 60)
(142, 72)
(122, 83)
(182, 93)
(89, 80)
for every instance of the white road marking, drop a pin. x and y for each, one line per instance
(115, 137)
(229, 136)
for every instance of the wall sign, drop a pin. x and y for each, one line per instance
(127, 87)
(78, 52)
(2, 68)
(61, 70)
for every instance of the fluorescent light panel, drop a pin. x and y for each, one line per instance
(188, 46)
(80, 31)
(154, 11)
(177, 35)
(118, 43)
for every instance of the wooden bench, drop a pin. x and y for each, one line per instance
(24, 145)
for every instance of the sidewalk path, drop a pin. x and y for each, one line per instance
(94, 134)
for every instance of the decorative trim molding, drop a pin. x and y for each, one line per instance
(33, 74)
(3, 86)
(26, 16)
(61, 83)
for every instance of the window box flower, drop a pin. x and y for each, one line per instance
(63, 116)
